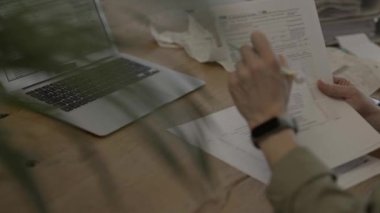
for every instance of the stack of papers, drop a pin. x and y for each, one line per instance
(338, 8)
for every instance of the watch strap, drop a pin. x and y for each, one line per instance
(270, 127)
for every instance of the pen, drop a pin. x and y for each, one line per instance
(292, 74)
(288, 72)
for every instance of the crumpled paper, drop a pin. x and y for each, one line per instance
(198, 43)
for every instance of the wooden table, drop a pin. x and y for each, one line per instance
(79, 173)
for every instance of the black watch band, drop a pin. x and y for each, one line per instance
(270, 127)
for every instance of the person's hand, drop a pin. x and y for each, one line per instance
(344, 90)
(258, 88)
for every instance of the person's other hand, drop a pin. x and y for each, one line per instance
(344, 90)
(258, 88)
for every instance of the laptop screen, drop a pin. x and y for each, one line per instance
(80, 14)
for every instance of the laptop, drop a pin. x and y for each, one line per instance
(105, 94)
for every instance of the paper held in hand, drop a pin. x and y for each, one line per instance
(331, 129)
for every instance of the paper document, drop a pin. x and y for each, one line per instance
(289, 25)
(360, 72)
(361, 46)
(330, 129)
(294, 31)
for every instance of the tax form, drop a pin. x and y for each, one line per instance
(330, 129)
(292, 33)
(287, 24)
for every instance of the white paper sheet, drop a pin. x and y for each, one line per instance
(330, 129)
(360, 45)
(291, 26)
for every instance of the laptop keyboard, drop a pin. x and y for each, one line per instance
(90, 85)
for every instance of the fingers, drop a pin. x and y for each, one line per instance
(342, 81)
(334, 91)
(264, 49)
(242, 72)
(263, 57)
(250, 58)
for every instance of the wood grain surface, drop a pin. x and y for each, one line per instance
(79, 173)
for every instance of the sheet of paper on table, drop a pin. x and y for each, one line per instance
(330, 129)
(226, 136)
(360, 45)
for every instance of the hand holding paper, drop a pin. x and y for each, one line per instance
(259, 77)
(344, 90)
(327, 127)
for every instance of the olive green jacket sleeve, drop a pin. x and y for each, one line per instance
(302, 184)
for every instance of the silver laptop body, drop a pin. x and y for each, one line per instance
(109, 113)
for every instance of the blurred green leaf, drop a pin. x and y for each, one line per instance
(15, 162)
(44, 47)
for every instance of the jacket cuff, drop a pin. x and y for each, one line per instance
(298, 168)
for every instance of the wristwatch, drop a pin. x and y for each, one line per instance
(272, 126)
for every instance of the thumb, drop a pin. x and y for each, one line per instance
(333, 90)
